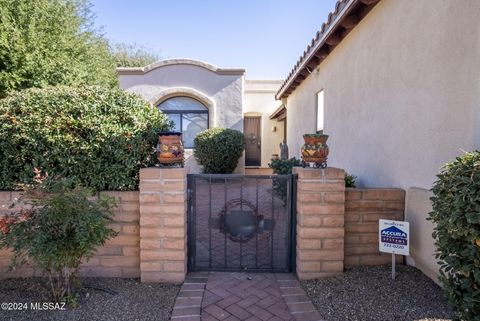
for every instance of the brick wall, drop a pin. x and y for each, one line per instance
(336, 227)
(152, 226)
(363, 209)
(120, 257)
(163, 224)
(320, 222)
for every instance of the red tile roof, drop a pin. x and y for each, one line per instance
(340, 22)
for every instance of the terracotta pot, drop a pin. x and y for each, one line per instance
(170, 148)
(315, 150)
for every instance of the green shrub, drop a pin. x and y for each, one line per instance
(284, 167)
(350, 180)
(62, 228)
(97, 137)
(218, 150)
(456, 215)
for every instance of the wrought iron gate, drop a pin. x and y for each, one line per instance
(241, 222)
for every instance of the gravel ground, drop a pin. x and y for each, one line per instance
(369, 294)
(128, 300)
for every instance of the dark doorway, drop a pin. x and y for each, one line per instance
(251, 132)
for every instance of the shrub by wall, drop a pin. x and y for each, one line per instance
(456, 214)
(218, 150)
(97, 137)
(284, 166)
(63, 227)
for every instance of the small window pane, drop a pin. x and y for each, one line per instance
(176, 119)
(182, 103)
(320, 111)
(193, 124)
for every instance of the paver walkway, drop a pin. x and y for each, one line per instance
(213, 296)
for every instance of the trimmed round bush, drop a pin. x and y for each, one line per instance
(218, 150)
(456, 215)
(97, 137)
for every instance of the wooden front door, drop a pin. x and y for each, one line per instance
(251, 132)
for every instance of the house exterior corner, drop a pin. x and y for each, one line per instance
(398, 104)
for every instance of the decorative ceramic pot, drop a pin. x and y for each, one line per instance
(170, 148)
(315, 150)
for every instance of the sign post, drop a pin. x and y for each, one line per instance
(393, 237)
(393, 265)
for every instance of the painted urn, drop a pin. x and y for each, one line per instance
(170, 149)
(315, 150)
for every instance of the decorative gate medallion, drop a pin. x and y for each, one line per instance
(238, 224)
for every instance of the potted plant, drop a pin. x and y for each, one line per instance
(170, 149)
(315, 150)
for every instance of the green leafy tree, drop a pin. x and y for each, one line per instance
(133, 55)
(51, 42)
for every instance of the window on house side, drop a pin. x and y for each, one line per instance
(189, 116)
(320, 110)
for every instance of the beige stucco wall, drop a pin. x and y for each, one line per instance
(221, 90)
(260, 100)
(422, 244)
(402, 97)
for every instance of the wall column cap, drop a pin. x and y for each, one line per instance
(157, 173)
(319, 173)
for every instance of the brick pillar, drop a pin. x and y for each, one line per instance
(163, 224)
(320, 222)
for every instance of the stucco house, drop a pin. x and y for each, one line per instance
(396, 86)
(394, 83)
(197, 95)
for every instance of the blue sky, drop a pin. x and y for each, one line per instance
(264, 36)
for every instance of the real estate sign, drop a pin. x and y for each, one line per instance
(394, 237)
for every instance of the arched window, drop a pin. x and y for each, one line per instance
(189, 115)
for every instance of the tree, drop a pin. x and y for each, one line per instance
(51, 42)
(133, 55)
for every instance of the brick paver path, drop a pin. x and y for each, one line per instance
(213, 296)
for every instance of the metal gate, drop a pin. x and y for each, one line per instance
(241, 222)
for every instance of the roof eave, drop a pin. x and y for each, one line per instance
(281, 109)
(328, 33)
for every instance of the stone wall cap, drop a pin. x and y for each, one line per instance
(316, 169)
